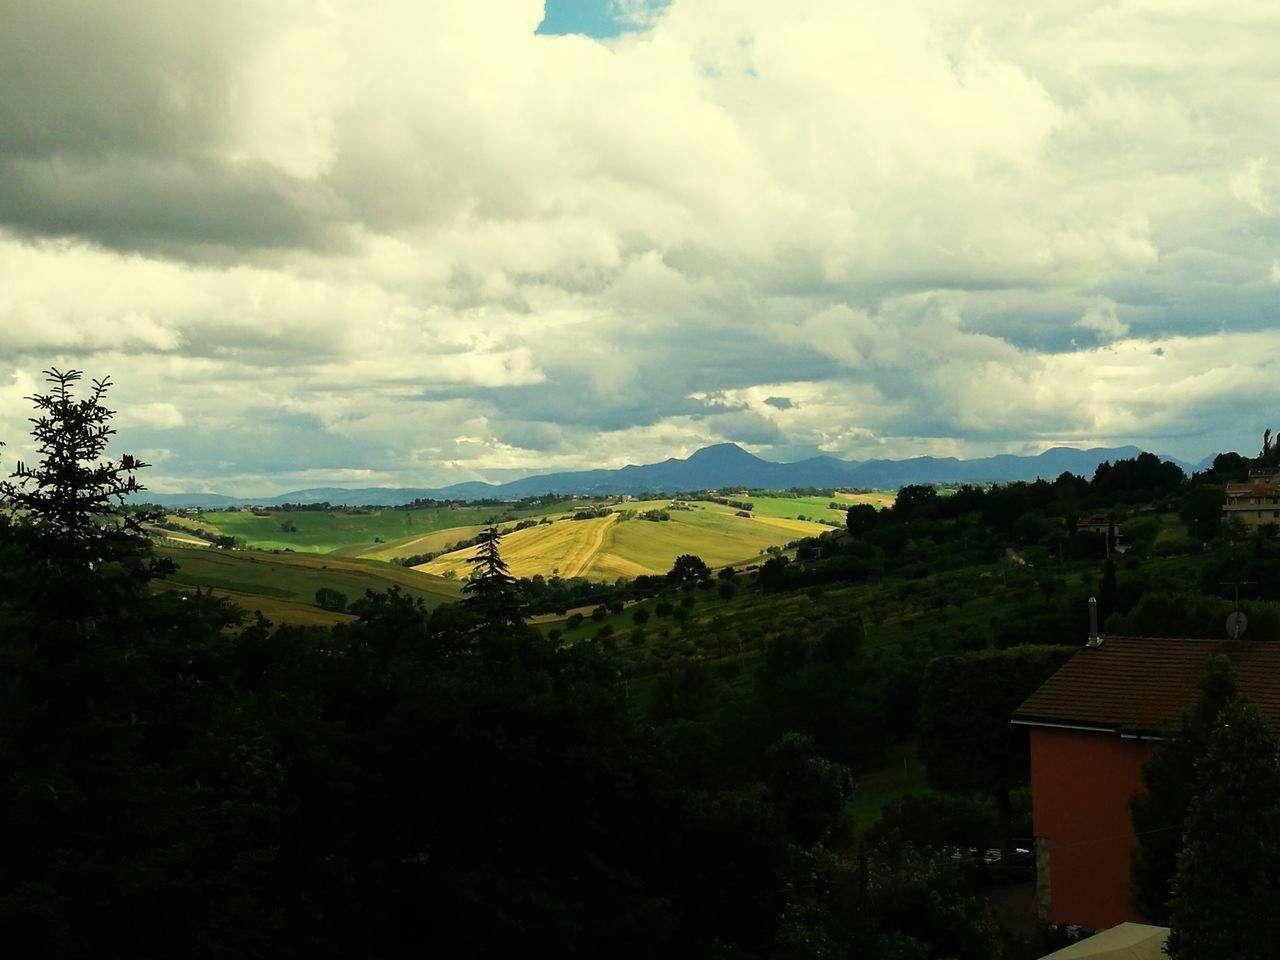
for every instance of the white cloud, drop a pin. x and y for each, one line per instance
(403, 225)
(1101, 318)
(163, 416)
(1247, 185)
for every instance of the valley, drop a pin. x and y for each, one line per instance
(283, 556)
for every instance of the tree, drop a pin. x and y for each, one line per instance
(492, 593)
(860, 518)
(966, 740)
(1223, 904)
(328, 598)
(1201, 510)
(1170, 783)
(688, 568)
(74, 494)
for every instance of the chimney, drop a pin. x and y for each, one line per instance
(1094, 639)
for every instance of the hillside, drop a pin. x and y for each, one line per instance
(282, 586)
(624, 544)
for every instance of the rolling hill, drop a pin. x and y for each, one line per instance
(723, 466)
(625, 545)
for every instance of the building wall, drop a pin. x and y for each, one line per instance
(1081, 783)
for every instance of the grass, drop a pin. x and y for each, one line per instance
(413, 545)
(324, 531)
(814, 508)
(258, 580)
(275, 609)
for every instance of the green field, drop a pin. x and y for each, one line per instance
(813, 508)
(324, 531)
(412, 546)
(257, 580)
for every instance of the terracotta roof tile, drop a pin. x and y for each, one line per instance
(1144, 685)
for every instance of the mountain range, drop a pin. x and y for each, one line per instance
(724, 466)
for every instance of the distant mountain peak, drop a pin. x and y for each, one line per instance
(719, 466)
(722, 453)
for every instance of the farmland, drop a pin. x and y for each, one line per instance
(325, 531)
(289, 554)
(600, 548)
(623, 544)
(283, 586)
(338, 549)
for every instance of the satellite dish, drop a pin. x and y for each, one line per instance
(1237, 623)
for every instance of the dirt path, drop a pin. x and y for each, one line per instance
(578, 561)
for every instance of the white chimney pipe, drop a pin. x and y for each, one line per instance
(1094, 639)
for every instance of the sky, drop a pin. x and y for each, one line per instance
(407, 243)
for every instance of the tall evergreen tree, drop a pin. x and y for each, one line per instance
(74, 494)
(492, 593)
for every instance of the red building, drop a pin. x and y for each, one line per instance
(1091, 726)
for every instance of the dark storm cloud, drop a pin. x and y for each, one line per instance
(174, 208)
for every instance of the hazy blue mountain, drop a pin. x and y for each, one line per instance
(725, 466)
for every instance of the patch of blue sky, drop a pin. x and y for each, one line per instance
(598, 18)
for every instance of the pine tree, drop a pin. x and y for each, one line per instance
(74, 495)
(492, 593)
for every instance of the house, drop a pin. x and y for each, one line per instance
(1091, 728)
(1256, 502)
(1096, 523)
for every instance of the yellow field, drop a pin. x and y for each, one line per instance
(178, 538)
(275, 609)
(563, 549)
(616, 546)
(410, 546)
(192, 523)
(881, 499)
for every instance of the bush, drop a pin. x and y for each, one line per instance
(329, 599)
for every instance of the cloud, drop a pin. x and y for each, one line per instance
(1101, 318)
(1247, 185)
(162, 416)
(441, 246)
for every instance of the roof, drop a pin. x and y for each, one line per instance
(1258, 487)
(1145, 685)
(1128, 941)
